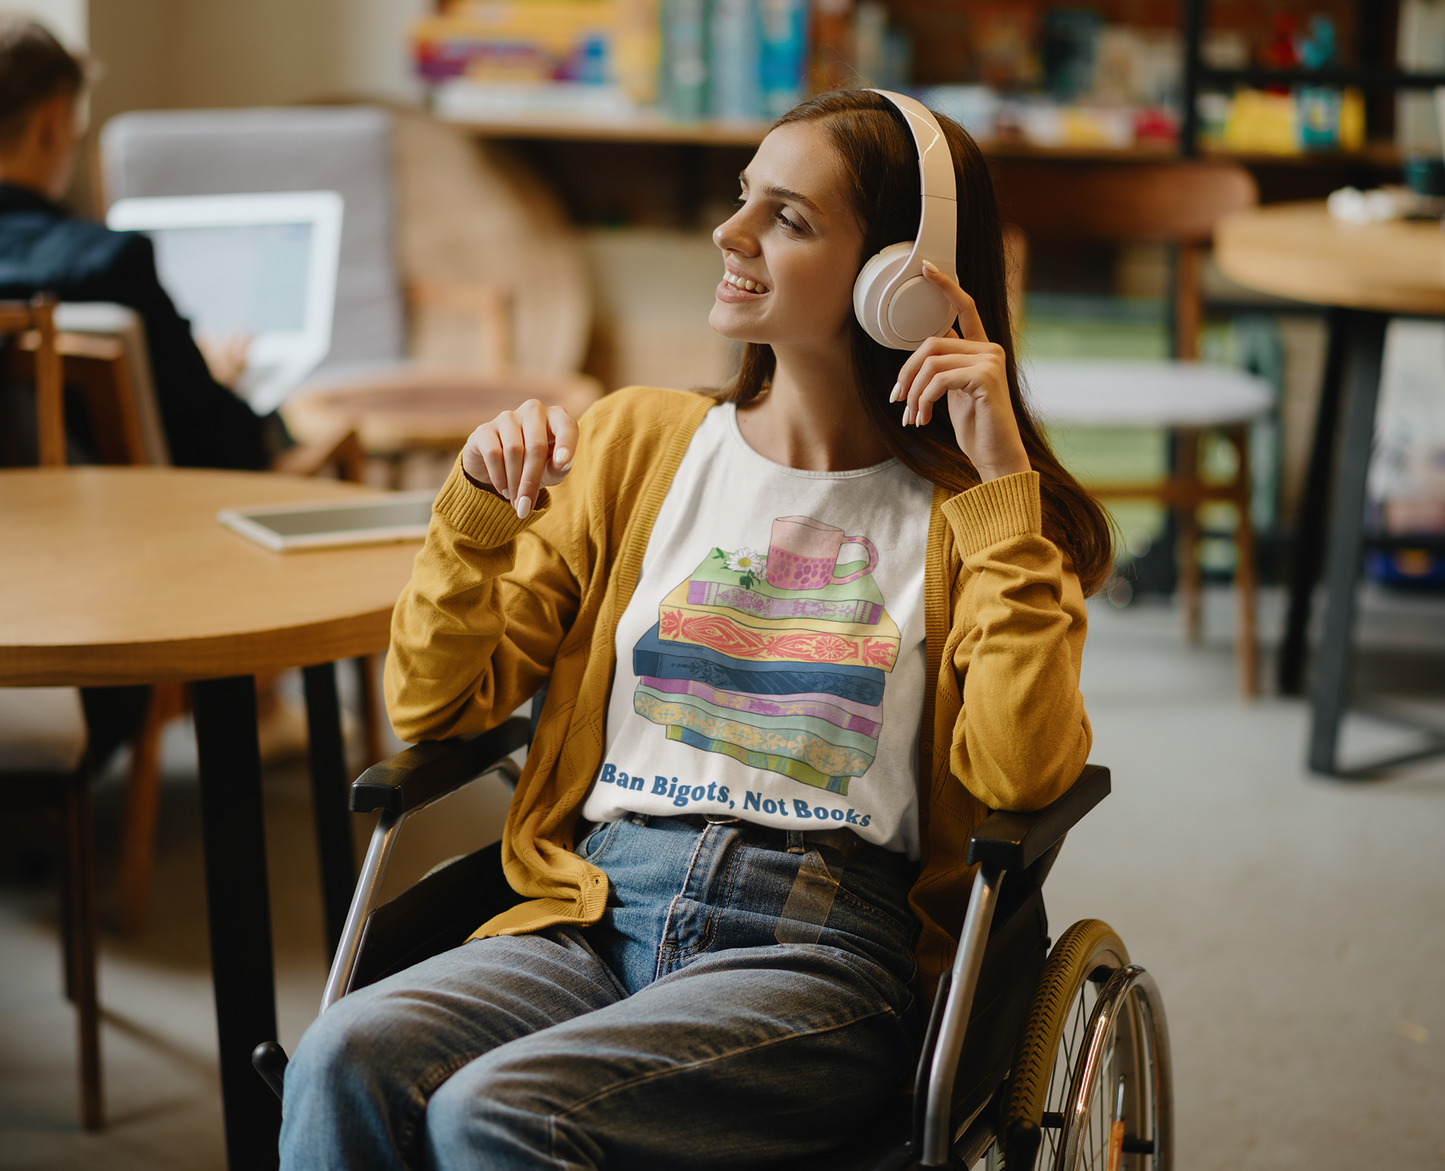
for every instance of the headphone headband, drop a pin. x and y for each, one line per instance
(891, 298)
(935, 160)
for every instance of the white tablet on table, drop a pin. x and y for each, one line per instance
(319, 524)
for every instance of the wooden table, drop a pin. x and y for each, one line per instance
(123, 576)
(1365, 274)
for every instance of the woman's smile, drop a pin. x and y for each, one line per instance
(735, 287)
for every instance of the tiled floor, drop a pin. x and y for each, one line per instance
(1293, 923)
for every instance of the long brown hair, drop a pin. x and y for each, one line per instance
(880, 165)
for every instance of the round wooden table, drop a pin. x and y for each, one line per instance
(124, 576)
(416, 408)
(1364, 274)
(1299, 250)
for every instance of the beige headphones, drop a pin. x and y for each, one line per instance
(892, 299)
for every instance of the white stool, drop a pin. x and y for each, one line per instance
(1189, 398)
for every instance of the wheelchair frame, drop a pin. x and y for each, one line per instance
(939, 1135)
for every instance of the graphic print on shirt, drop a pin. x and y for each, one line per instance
(777, 660)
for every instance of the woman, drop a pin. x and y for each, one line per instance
(798, 638)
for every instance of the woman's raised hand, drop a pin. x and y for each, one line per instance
(970, 370)
(519, 452)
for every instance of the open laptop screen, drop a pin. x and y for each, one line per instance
(266, 267)
(259, 266)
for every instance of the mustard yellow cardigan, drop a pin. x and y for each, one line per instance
(497, 607)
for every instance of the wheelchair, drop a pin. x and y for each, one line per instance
(1034, 1056)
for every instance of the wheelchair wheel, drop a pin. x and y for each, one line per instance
(1090, 1088)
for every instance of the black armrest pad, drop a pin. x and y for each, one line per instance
(434, 768)
(1011, 841)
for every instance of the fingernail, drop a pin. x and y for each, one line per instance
(930, 266)
(893, 394)
(907, 416)
(524, 507)
(559, 455)
(567, 467)
(506, 493)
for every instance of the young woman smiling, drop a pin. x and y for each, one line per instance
(798, 637)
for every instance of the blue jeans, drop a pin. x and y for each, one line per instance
(746, 999)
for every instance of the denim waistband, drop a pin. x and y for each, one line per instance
(794, 841)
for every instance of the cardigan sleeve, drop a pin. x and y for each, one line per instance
(1014, 652)
(476, 630)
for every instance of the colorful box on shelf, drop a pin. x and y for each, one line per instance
(1310, 118)
(1047, 123)
(597, 43)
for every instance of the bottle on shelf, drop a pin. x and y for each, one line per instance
(683, 78)
(737, 91)
(782, 54)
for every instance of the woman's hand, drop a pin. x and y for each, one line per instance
(970, 370)
(520, 451)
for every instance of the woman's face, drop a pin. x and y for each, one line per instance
(796, 240)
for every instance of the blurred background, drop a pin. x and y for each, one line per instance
(552, 173)
(636, 115)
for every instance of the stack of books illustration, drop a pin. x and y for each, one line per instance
(786, 680)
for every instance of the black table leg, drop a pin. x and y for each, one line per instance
(329, 799)
(238, 904)
(1309, 540)
(1365, 347)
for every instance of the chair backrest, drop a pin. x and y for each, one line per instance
(471, 215)
(347, 149)
(1117, 202)
(37, 357)
(103, 346)
(1166, 202)
(460, 326)
(102, 352)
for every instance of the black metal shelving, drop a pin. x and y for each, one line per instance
(1198, 75)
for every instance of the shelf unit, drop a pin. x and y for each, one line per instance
(1199, 76)
(683, 162)
(648, 127)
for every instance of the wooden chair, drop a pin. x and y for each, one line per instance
(43, 731)
(101, 366)
(459, 326)
(1174, 203)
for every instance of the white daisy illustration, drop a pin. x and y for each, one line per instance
(747, 561)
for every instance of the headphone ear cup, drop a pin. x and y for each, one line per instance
(868, 289)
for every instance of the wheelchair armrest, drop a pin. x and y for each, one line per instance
(1012, 841)
(434, 768)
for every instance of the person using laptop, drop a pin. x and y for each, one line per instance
(44, 248)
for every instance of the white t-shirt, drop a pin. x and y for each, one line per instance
(771, 662)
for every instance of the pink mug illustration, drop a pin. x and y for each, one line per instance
(803, 554)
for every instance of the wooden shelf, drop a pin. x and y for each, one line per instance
(643, 126)
(1374, 154)
(649, 127)
(1006, 148)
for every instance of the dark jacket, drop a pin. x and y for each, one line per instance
(43, 248)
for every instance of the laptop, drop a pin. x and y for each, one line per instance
(260, 266)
